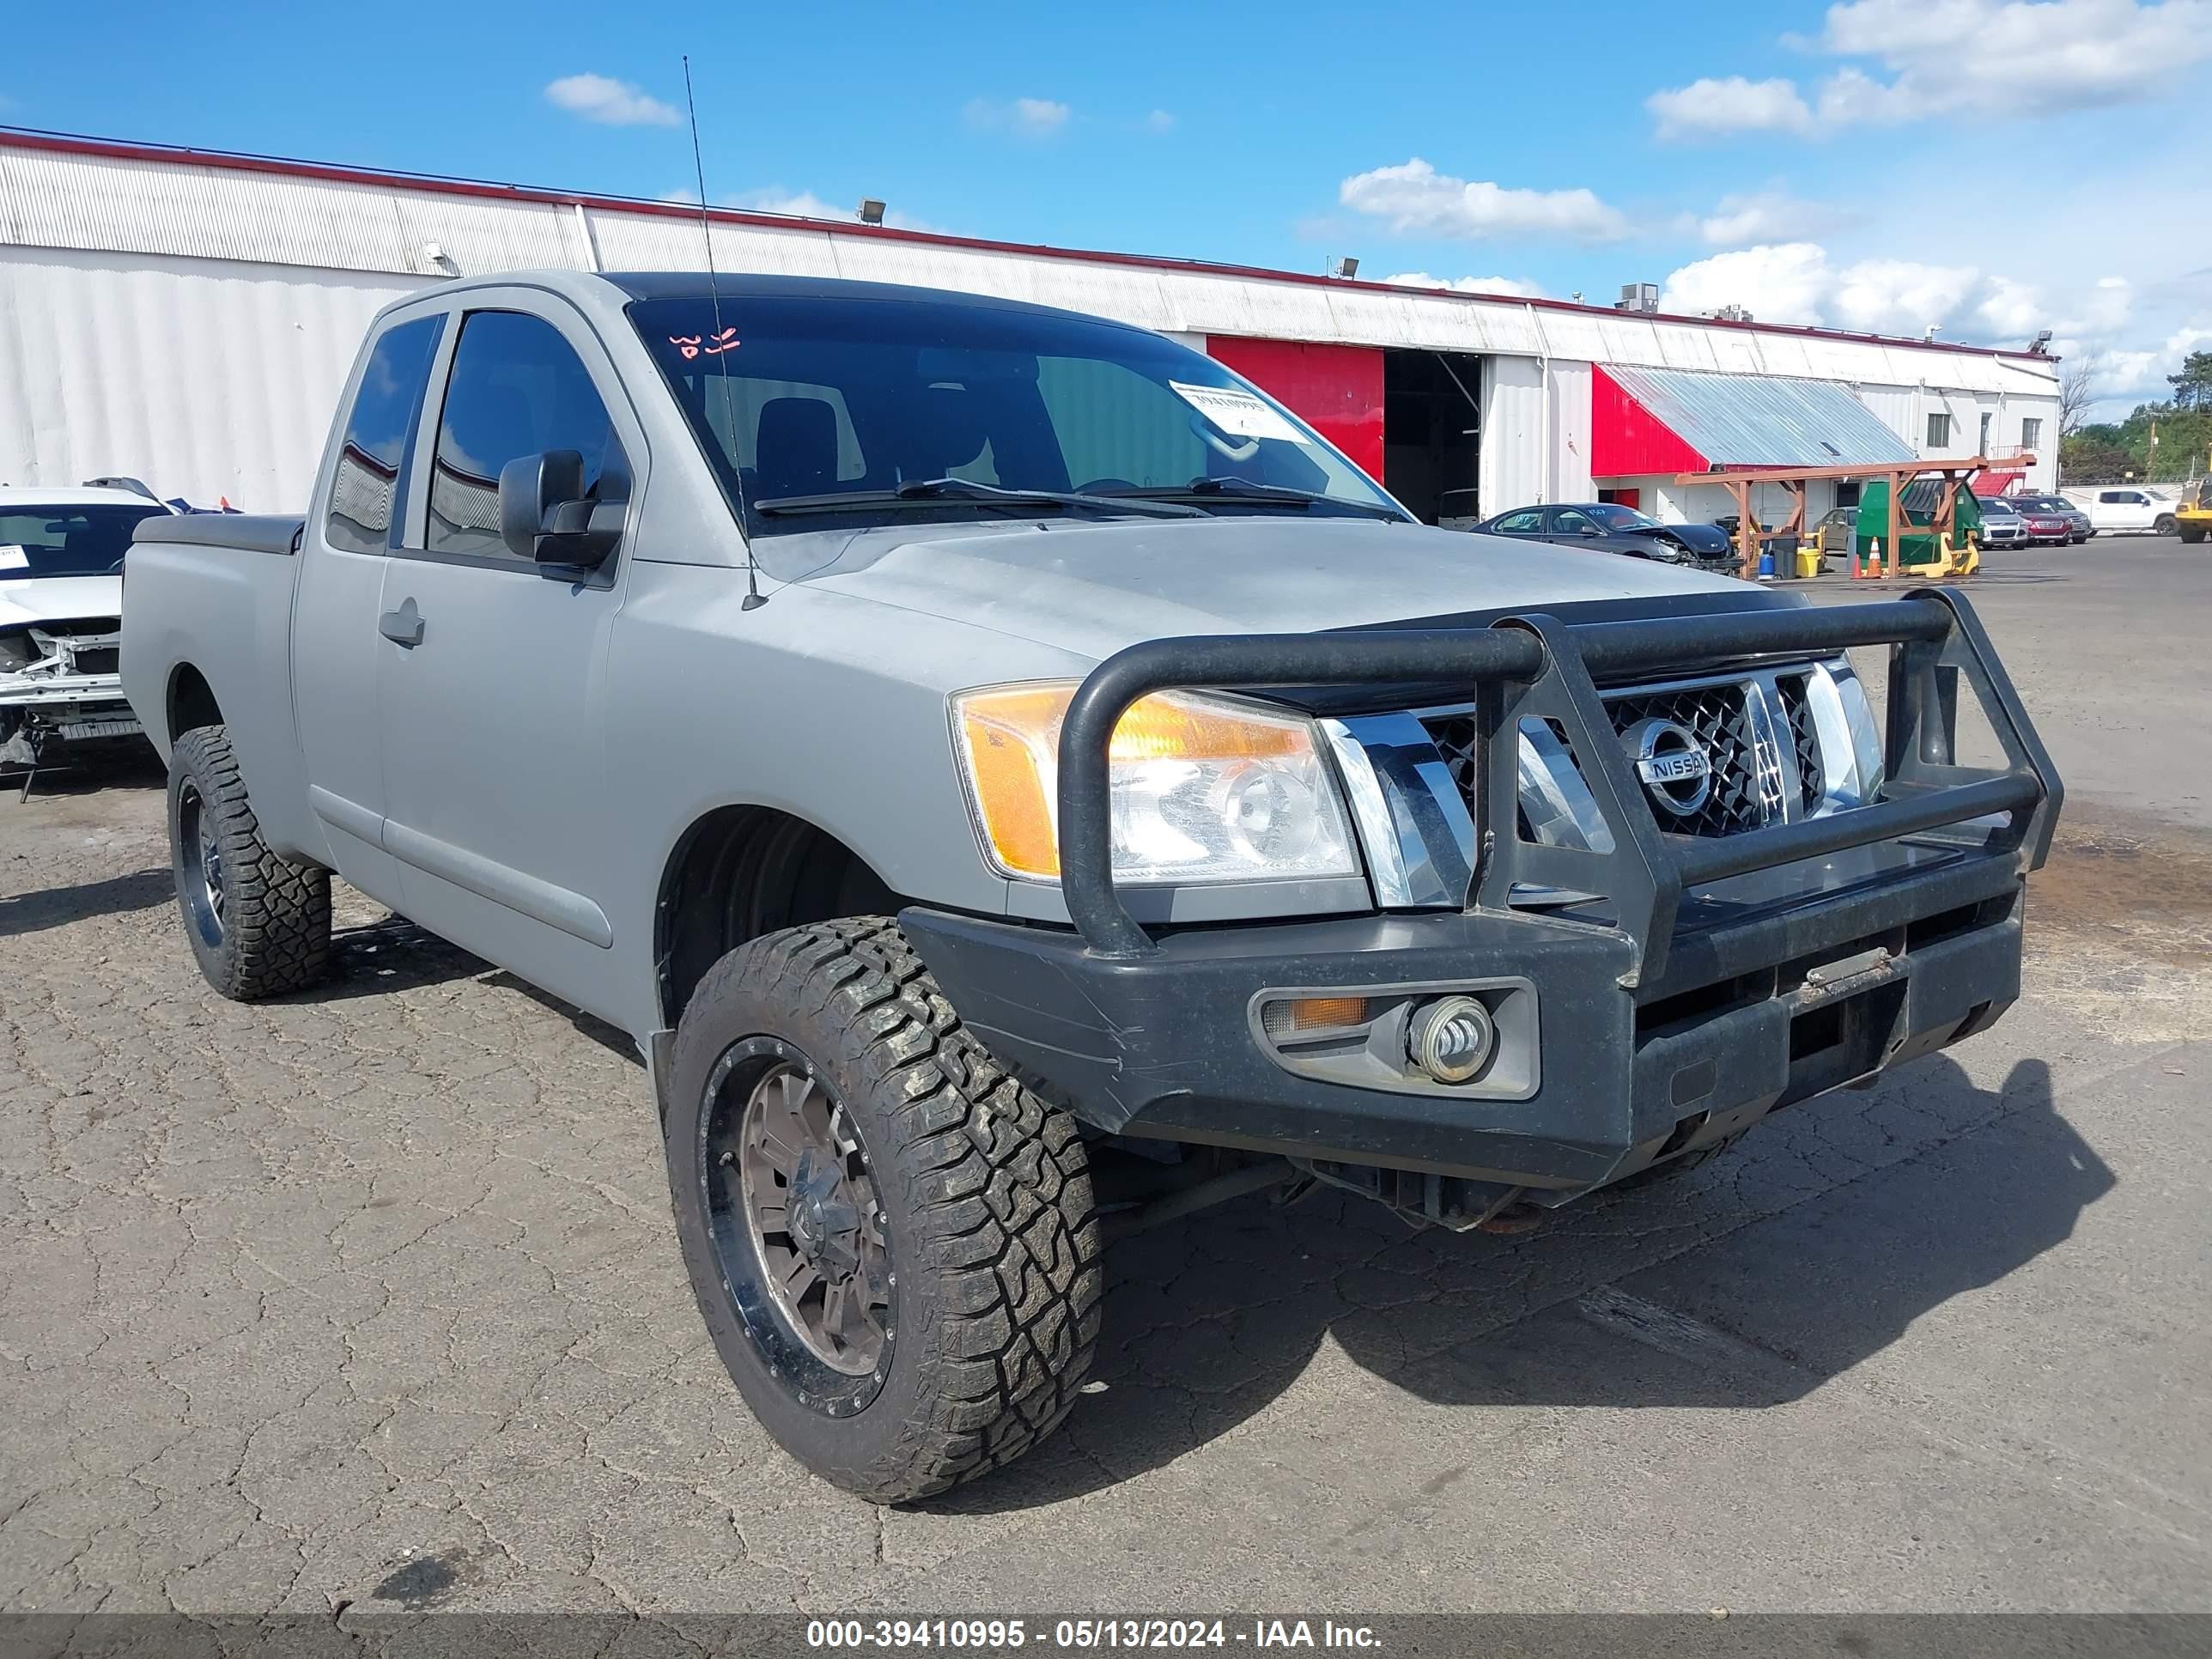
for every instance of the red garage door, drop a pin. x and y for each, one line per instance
(1337, 389)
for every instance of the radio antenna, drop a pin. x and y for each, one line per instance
(754, 597)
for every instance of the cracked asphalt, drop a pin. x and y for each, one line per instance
(370, 1297)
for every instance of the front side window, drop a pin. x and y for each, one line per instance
(1939, 432)
(365, 487)
(517, 389)
(1571, 523)
(67, 541)
(886, 406)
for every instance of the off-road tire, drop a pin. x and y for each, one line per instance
(993, 1245)
(2192, 534)
(2164, 525)
(275, 932)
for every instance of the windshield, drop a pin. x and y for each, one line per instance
(1614, 516)
(868, 398)
(66, 541)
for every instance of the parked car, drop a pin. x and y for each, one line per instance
(2001, 526)
(2129, 506)
(2078, 526)
(893, 725)
(1616, 529)
(2046, 526)
(60, 601)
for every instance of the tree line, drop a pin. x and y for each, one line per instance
(2181, 426)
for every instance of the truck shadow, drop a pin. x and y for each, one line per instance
(57, 907)
(1744, 1285)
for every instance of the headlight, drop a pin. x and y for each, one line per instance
(1204, 789)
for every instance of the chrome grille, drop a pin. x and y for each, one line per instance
(1804, 736)
(1759, 736)
(1746, 783)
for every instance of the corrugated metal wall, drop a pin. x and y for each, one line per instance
(1513, 473)
(206, 378)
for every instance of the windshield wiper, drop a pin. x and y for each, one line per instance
(1251, 490)
(931, 492)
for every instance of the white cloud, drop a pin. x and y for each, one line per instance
(1787, 282)
(1902, 296)
(1798, 282)
(1513, 287)
(1160, 120)
(1768, 216)
(1025, 117)
(1414, 199)
(2021, 58)
(1731, 104)
(610, 102)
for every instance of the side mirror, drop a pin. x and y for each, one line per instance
(1592, 530)
(543, 516)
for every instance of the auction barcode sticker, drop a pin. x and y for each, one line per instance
(1237, 411)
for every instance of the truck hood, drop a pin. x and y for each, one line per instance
(58, 599)
(1092, 588)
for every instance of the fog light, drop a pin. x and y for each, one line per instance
(1451, 1038)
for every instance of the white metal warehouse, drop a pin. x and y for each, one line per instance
(188, 318)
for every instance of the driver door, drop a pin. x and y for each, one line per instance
(492, 674)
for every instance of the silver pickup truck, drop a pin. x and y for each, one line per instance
(1016, 783)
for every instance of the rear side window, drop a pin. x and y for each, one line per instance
(365, 487)
(517, 388)
(1522, 523)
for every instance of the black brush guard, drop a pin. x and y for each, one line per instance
(1534, 667)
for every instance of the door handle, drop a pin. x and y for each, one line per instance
(403, 626)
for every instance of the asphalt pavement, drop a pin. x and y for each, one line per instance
(368, 1298)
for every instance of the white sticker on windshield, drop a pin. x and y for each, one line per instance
(12, 557)
(1239, 413)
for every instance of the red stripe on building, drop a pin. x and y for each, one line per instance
(1337, 389)
(1627, 440)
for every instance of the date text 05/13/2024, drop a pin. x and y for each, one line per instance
(988, 1635)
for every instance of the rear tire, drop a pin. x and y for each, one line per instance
(259, 925)
(947, 1210)
(2192, 534)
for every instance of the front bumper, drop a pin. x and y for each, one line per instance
(1767, 1006)
(1664, 989)
(65, 708)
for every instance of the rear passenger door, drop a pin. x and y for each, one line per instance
(493, 688)
(335, 646)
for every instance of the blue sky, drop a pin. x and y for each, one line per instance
(1990, 168)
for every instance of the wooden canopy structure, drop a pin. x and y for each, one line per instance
(1900, 475)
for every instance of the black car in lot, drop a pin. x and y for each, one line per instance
(1616, 529)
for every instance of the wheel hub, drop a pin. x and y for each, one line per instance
(825, 1223)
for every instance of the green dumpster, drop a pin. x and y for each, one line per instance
(1921, 497)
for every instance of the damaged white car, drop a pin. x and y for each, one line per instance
(61, 609)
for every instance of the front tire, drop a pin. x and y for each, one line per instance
(259, 925)
(892, 1242)
(2164, 525)
(2192, 534)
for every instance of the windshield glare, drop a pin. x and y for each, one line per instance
(842, 395)
(66, 541)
